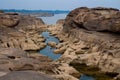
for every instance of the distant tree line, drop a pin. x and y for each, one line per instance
(37, 11)
(1, 11)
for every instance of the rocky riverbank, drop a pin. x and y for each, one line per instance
(20, 40)
(89, 44)
(90, 37)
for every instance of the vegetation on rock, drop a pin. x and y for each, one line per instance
(1, 11)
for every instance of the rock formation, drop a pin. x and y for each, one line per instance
(95, 36)
(95, 19)
(88, 42)
(8, 20)
(88, 36)
(12, 59)
(25, 75)
(19, 34)
(18, 31)
(60, 21)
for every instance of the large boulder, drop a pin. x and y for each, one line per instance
(96, 19)
(8, 20)
(28, 22)
(14, 19)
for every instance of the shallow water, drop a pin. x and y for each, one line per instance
(84, 77)
(48, 51)
(53, 19)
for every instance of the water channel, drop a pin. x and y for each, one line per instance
(48, 51)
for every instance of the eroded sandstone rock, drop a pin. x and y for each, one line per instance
(25, 75)
(22, 32)
(52, 44)
(60, 21)
(8, 20)
(12, 59)
(95, 19)
(60, 50)
(99, 49)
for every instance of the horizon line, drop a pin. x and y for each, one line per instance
(38, 9)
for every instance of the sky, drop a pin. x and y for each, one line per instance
(56, 4)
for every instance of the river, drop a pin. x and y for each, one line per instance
(48, 51)
(52, 20)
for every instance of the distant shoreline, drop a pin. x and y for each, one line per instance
(37, 13)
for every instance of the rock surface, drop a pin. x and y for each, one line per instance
(25, 75)
(60, 50)
(22, 32)
(89, 46)
(60, 21)
(77, 43)
(12, 59)
(95, 19)
(8, 20)
(92, 46)
(19, 40)
(52, 44)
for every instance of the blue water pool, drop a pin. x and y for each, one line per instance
(85, 77)
(48, 51)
